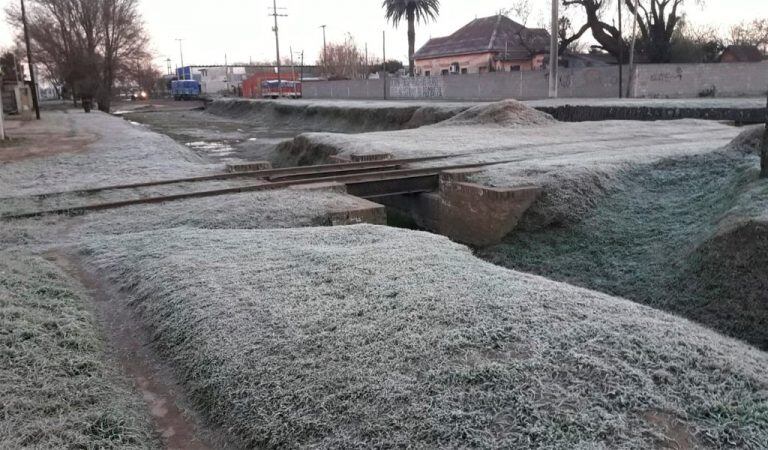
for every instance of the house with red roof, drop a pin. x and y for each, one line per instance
(489, 44)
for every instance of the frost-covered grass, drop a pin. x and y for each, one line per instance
(57, 389)
(261, 209)
(123, 154)
(371, 336)
(686, 235)
(535, 151)
(28, 204)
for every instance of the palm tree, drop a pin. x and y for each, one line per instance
(413, 11)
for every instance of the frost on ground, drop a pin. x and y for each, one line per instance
(687, 234)
(372, 336)
(507, 113)
(261, 209)
(335, 115)
(57, 388)
(571, 161)
(123, 154)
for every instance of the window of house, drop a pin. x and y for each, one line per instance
(204, 72)
(464, 70)
(427, 73)
(445, 72)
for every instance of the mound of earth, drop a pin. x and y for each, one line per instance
(685, 234)
(506, 113)
(373, 336)
(730, 269)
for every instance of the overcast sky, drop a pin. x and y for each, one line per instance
(242, 29)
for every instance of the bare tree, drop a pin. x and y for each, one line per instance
(751, 33)
(657, 21)
(86, 44)
(344, 60)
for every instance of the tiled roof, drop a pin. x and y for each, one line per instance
(498, 34)
(744, 53)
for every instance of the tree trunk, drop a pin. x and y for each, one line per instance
(764, 148)
(411, 40)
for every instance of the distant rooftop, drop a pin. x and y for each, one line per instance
(744, 53)
(496, 34)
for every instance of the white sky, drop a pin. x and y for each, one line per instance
(243, 30)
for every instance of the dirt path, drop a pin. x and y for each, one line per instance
(129, 344)
(54, 134)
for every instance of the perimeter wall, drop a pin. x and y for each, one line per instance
(650, 81)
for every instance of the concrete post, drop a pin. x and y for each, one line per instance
(553, 51)
(2, 124)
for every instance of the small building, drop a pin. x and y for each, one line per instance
(219, 79)
(490, 44)
(741, 53)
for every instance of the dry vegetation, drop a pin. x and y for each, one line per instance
(371, 336)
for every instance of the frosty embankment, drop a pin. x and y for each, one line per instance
(281, 332)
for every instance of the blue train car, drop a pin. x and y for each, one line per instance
(185, 89)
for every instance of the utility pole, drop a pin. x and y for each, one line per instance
(33, 84)
(553, 51)
(168, 62)
(181, 57)
(632, 52)
(226, 72)
(325, 50)
(621, 54)
(367, 68)
(275, 14)
(293, 65)
(384, 65)
(302, 72)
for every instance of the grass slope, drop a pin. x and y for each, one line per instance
(369, 336)
(57, 389)
(653, 238)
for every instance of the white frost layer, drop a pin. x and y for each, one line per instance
(535, 149)
(261, 209)
(372, 336)
(123, 154)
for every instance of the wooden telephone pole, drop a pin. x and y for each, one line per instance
(276, 14)
(32, 83)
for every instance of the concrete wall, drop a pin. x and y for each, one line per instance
(695, 80)
(344, 89)
(652, 80)
(523, 85)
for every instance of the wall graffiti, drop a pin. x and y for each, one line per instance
(666, 77)
(421, 87)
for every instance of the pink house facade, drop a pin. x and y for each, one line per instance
(490, 44)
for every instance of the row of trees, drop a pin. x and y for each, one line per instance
(87, 46)
(346, 60)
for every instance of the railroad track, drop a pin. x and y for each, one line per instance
(369, 180)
